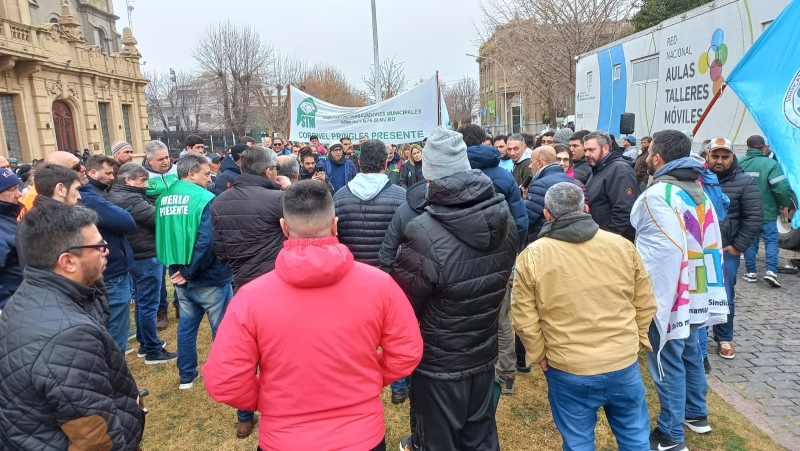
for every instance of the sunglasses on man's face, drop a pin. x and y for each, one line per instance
(77, 167)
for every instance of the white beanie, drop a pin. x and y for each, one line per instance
(445, 154)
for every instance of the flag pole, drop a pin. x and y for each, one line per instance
(288, 111)
(438, 101)
(705, 112)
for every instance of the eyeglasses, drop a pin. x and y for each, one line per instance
(78, 167)
(277, 144)
(102, 246)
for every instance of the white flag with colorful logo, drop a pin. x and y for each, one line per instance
(405, 118)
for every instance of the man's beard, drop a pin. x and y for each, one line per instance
(91, 275)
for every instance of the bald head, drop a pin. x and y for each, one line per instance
(547, 154)
(67, 160)
(4, 164)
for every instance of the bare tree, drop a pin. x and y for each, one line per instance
(461, 98)
(392, 79)
(330, 84)
(270, 86)
(175, 100)
(536, 41)
(155, 94)
(234, 56)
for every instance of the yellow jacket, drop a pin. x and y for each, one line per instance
(582, 298)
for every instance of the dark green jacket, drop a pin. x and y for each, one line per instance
(775, 190)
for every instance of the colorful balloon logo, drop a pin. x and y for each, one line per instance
(713, 60)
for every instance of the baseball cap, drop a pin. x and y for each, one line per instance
(720, 143)
(631, 139)
(13, 160)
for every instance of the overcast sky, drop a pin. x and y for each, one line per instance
(426, 35)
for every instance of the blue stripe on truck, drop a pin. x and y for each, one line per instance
(613, 93)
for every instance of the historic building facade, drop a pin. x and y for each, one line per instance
(67, 79)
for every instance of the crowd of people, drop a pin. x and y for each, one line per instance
(440, 269)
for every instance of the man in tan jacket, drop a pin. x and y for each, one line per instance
(582, 305)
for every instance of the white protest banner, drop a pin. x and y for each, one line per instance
(407, 117)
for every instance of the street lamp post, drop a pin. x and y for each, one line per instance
(376, 75)
(505, 89)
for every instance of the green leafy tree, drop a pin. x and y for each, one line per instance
(653, 12)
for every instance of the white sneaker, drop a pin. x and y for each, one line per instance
(750, 277)
(772, 279)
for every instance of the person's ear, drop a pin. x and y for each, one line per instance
(67, 262)
(284, 228)
(547, 216)
(585, 208)
(334, 225)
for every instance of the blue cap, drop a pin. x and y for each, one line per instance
(631, 139)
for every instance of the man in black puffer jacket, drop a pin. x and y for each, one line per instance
(147, 273)
(63, 380)
(741, 226)
(454, 265)
(365, 205)
(246, 218)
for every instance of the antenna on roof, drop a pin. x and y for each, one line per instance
(130, 11)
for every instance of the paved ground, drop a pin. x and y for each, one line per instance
(763, 381)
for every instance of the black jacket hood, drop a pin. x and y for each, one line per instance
(573, 228)
(466, 205)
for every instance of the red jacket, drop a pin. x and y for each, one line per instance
(313, 327)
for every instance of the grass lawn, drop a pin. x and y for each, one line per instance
(190, 419)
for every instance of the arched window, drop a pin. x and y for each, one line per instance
(54, 20)
(102, 42)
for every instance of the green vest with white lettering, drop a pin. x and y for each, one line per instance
(178, 213)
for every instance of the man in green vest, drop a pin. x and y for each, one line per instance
(184, 243)
(162, 174)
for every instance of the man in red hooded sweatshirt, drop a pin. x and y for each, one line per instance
(318, 309)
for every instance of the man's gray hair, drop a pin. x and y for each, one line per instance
(288, 166)
(131, 171)
(563, 198)
(256, 160)
(153, 146)
(516, 137)
(190, 162)
(603, 139)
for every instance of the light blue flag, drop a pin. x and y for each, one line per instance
(768, 82)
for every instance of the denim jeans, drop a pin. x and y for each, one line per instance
(148, 277)
(120, 293)
(194, 303)
(769, 230)
(164, 304)
(574, 401)
(683, 388)
(730, 266)
(702, 339)
(400, 384)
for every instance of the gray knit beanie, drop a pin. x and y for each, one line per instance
(562, 136)
(445, 154)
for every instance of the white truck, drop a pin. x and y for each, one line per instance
(667, 75)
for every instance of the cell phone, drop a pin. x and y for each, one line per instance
(527, 181)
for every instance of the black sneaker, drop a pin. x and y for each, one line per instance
(140, 353)
(699, 424)
(707, 365)
(399, 397)
(660, 442)
(161, 356)
(187, 383)
(507, 387)
(406, 444)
